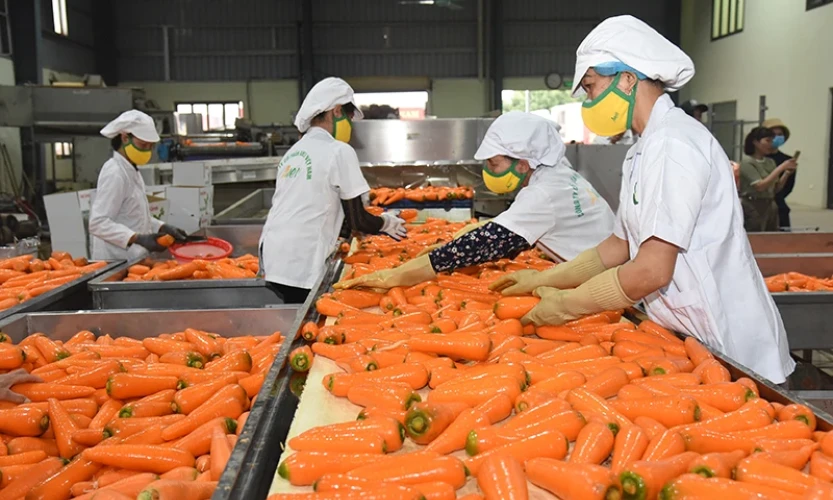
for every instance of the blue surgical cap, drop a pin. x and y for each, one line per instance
(616, 67)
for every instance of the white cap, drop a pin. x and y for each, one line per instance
(628, 40)
(523, 136)
(324, 96)
(132, 122)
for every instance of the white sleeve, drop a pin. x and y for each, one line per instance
(672, 184)
(110, 193)
(619, 222)
(346, 175)
(156, 224)
(530, 216)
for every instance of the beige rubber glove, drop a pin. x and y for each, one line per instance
(410, 273)
(601, 293)
(467, 229)
(563, 276)
(8, 380)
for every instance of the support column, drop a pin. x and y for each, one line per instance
(104, 42)
(306, 60)
(496, 54)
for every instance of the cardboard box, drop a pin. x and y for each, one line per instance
(190, 207)
(156, 191)
(68, 215)
(159, 208)
(191, 174)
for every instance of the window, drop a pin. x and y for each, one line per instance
(59, 17)
(812, 4)
(215, 115)
(63, 150)
(727, 17)
(5, 30)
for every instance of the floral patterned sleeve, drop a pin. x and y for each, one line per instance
(484, 244)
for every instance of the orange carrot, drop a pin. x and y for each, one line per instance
(665, 445)
(414, 468)
(198, 442)
(629, 446)
(514, 307)
(593, 444)
(547, 444)
(643, 479)
(573, 480)
(64, 428)
(59, 483)
(398, 396)
(502, 478)
(158, 459)
(181, 490)
(225, 403)
(132, 385)
(305, 467)
(765, 473)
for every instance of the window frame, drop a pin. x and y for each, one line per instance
(241, 112)
(728, 18)
(66, 150)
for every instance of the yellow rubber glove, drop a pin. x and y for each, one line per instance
(410, 273)
(601, 293)
(467, 229)
(567, 275)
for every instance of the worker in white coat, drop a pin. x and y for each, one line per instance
(120, 224)
(319, 186)
(678, 243)
(556, 209)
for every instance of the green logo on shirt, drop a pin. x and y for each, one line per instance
(635, 201)
(576, 201)
(290, 171)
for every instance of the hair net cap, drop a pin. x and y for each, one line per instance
(523, 136)
(629, 40)
(324, 96)
(132, 122)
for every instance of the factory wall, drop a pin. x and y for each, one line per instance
(779, 54)
(8, 135)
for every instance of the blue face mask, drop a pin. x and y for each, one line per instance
(778, 141)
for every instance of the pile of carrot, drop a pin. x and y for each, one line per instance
(26, 277)
(245, 267)
(384, 196)
(123, 418)
(375, 253)
(456, 391)
(797, 282)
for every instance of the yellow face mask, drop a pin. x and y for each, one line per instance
(343, 128)
(611, 113)
(503, 183)
(136, 155)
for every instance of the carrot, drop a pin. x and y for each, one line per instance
(146, 409)
(514, 307)
(593, 444)
(181, 474)
(643, 479)
(20, 483)
(355, 441)
(51, 350)
(24, 444)
(607, 383)
(165, 489)
(300, 359)
(560, 382)
(825, 444)
(573, 480)
(228, 402)
(796, 459)
(629, 446)
(424, 422)
(454, 437)
(309, 331)
(546, 444)
(502, 478)
(359, 299)
(798, 412)
(163, 346)
(692, 486)
(178, 273)
(665, 445)
(412, 374)
(712, 372)
(383, 491)
(186, 358)
(190, 398)
(476, 391)
(88, 437)
(414, 468)
(23, 421)
(58, 484)
(585, 401)
(204, 343)
(791, 429)
(725, 397)
(717, 464)
(106, 413)
(151, 458)
(237, 361)
(821, 466)
(765, 473)
(133, 385)
(670, 410)
(749, 416)
(396, 396)
(25, 458)
(96, 376)
(473, 347)
(305, 467)
(198, 442)
(696, 351)
(64, 428)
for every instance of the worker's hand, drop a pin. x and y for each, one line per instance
(177, 233)
(410, 273)
(517, 283)
(393, 226)
(552, 310)
(148, 241)
(19, 376)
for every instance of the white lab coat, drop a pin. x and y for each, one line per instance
(676, 187)
(303, 224)
(560, 212)
(120, 210)
(627, 139)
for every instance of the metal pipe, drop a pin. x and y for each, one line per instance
(480, 51)
(166, 53)
(762, 108)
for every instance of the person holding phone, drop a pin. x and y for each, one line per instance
(782, 135)
(760, 180)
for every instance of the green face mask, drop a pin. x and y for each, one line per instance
(503, 183)
(343, 128)
(611, 113)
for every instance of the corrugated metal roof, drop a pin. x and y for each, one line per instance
(233, 67)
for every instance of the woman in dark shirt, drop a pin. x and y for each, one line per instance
(782, 133)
